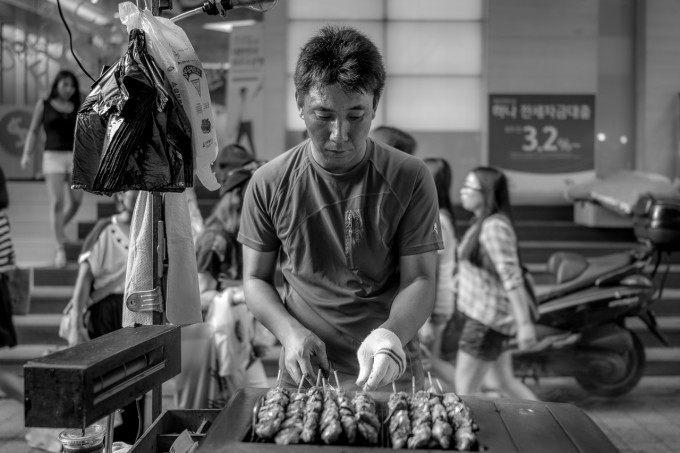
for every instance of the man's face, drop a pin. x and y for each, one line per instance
(338, 124)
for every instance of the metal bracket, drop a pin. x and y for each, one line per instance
(148, 300)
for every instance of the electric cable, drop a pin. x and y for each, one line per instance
(70, 41)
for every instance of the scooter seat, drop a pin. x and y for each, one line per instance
(572, 272)
(565, 266)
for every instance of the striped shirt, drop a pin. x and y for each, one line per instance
(7, 258)
(482, 291)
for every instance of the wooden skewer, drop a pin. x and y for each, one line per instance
(441, 387)
(394, 387)
(302, 381)
(429, 376)
(318, 378)
(337, 381)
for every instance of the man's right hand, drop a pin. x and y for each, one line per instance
(300, 350)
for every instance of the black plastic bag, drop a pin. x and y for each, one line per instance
(131, 133)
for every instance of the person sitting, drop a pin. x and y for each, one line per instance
(222, 354)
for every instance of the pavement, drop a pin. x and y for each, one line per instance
(647, 420)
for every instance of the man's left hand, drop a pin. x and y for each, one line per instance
(381, 359)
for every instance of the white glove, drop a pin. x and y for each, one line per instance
(381, 359)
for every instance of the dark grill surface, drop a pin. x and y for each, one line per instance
(505, 426)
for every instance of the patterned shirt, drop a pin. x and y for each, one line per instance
(7, 257)
(482, 291)
(6, 248)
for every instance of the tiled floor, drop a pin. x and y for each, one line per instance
(645, 421)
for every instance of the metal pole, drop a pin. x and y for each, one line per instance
(158, 245)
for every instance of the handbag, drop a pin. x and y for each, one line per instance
(66, 322)
(20, 283)
(528, 282)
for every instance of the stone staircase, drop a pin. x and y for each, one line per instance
(542, 230)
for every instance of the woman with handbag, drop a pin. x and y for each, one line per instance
(57, 116)
(492, 300)
(222, 354)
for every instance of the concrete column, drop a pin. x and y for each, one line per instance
(274, 88)
(657, 72)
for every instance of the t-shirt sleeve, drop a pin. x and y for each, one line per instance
(257, 229)
(419, 229)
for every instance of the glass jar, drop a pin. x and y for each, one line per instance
(78, 441)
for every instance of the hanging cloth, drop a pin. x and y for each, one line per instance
(182, 297)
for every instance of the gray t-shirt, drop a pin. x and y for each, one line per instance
(340, 236)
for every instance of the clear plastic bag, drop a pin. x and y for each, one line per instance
(171, 48)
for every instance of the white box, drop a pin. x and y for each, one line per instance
(595, 216)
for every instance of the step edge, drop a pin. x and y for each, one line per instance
(45, 291)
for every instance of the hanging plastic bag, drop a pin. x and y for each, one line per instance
(171, 48)
(131, 133)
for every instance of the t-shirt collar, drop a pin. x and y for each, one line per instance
(358, 168)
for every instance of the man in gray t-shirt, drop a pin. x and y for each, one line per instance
(353, 223)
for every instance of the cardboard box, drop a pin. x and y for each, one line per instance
(595, 216)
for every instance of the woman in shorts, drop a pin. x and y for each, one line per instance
(492, 302)
(57, 115)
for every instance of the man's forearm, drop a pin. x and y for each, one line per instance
(265, 303)
(411, 308)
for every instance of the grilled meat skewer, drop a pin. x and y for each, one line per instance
(347, 417)
(368, 423)
(312, 414)
(458, 414)
(442, 431)
(330, 427)
(291, 427)
(421, 420)
(272, 412)
(400, 422)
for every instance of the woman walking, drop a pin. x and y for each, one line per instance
(491, 297)
(57, 115)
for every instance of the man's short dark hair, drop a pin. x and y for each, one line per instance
(342, 56)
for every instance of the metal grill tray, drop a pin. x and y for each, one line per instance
(505, 426)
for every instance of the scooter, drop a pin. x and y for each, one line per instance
(582, 328)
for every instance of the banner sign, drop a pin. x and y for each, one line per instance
(537, 133)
